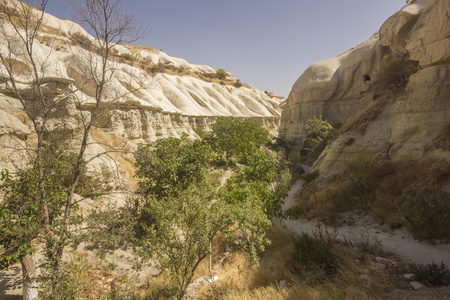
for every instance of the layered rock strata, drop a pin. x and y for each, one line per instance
(412, 124)
(151, 94)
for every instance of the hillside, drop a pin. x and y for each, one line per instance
(352, 90)
(150, 96)
(388, 101)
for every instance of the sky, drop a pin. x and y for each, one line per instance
(267, 44)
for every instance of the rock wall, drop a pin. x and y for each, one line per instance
(413, 124)
(150, 96)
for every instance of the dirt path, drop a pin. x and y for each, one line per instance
(399, 241)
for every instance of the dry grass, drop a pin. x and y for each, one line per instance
(360, 122)
(276, 265)
(87, 277)
(381, 187)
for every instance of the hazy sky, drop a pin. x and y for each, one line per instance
(265, 43)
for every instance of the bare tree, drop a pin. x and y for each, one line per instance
(24, 76)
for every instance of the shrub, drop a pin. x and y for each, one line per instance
(127, 56)
(314, 253)
(159, 68)
(310, 176)
(394, 75)
(82, 40)
(294, 213)
(221, 74)
(432, 275)
(238, 84)
(365, 242)
(161, 291)
(428, 216)
(318, 131)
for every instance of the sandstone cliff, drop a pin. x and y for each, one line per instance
(412, 124)
(151, 95)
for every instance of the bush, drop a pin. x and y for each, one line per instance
(160, 292)
(365, 242)
(314, 253)
(82, 41)
(310, 176)
(428, 216)
(394, 75)
(294, 213)
(221, 74)
(319, 131)
(432, 275)
(127, 56)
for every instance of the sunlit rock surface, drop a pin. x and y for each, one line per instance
(411, 125)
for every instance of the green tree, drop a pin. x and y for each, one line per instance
(319, 131)
(184, 227)
(231, 136)
(263, 180)
(178, 223)
(170, 165)
(21, 217)
(55, 205)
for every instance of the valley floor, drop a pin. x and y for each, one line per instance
(398, 242)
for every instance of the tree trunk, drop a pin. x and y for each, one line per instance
(29, 285)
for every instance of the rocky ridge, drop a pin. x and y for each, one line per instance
(150, 96)
(411, 125)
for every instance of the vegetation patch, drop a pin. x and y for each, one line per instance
(395, 193)
(315, 255)
(365, 242)
(85, 278)
(319, 131)
(432, 275)
(310, 176)
(394, 74)
(281, 275)
(221, 74)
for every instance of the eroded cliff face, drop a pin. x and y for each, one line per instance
(410, 125)
(150, 95)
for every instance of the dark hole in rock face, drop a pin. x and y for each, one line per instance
(366, 79)
(350, 141)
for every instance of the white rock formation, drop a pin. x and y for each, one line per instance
(153, 96)
(412, 125)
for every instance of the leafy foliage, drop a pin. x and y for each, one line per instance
(428, 215)
(263, 181)
(21, 218)
(170, 165)
(183, 210)
(184, 227)
(281, 142)
(310, 176)
(231, 136)
(319, 131)
(221, 74)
